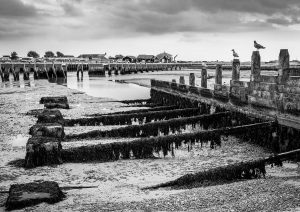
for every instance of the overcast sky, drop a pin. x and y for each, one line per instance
(193, 29)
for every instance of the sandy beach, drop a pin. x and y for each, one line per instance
(118, 185)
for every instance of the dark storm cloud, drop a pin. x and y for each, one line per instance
(10, 8)
(71, 7)
(266, 7)
(71, 10)
(163, 16)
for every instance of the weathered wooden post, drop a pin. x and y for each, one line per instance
(26, 73)
(236, 69)
(192, 79)
(284, 63)
(181, 80)
(255, 66)
(204, 77)
(283, 76)
(1, 73)
(218, 79)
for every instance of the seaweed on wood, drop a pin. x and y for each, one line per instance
(209, 121)
(154, 128)
(146, 147)
(219, 175)
(161, 108)
(122, 119)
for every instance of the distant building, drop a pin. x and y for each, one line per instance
(129, 59)
(144, 58)
(95, 57)
(164, 58)
(5, 58)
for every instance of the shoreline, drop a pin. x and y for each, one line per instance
(120, 182)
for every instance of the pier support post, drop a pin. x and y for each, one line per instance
(181, 80)
(284, 63)
(236, 69)
(192, 79)
(1, 73)
(218, 79)
(204, 77)
(255, 66)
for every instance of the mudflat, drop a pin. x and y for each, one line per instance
(118, 185)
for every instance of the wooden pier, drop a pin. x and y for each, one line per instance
(57, 70)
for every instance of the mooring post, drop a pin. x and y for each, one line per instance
(204, 77)
(255, 66)
(192, 79)
(218, 79)
(236, 69)
(284, 63)
(181, 80)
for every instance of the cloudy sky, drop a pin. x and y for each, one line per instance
(193, 29)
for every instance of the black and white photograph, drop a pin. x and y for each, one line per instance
(150, 105)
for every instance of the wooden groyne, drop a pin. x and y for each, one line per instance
(266, 96)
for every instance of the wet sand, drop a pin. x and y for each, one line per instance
(119, 184)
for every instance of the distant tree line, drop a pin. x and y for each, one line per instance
(34, 54)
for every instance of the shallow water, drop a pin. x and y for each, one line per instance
(107, 86)
(134, 86)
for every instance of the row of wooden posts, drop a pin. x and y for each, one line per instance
(283, 63)
(39, 72)
(218, 76)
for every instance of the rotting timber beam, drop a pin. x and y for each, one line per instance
(154, 128)
(145, 147)
(122, 119)
(209, 121)
(161, 108)
(220, 175)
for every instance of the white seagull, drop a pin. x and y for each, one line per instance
(258, 46)
(234, 53)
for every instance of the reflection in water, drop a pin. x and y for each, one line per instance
(102, 87)
(59, 80)
(19, 84)
(108, 86)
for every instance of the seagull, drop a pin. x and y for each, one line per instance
(234, 53)
(258, 46)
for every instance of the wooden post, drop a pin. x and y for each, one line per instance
(181, 80)
(255, 66)
(284, 59)
(192, 79)
(204, 77)
(218, 79)
(236, 69)
(284, 63)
